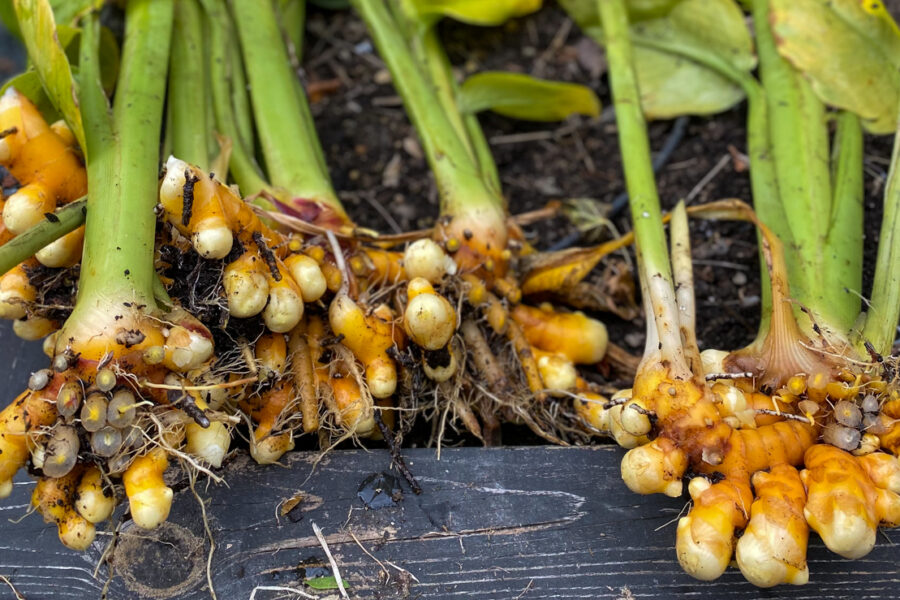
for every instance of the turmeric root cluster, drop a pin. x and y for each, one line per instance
(289, 332)
(47, 167)
(114, 409)
(765, 469)
(385, 324)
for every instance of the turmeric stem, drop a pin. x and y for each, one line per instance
(822, 267)
(68, 218)
(463, 189)
(653, 259)
(187, 99)
(229, 99)
(290, 145)
(122, 170)
(884, 308)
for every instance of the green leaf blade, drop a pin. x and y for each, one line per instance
(527, 98)
(328, 582)
(671, 86)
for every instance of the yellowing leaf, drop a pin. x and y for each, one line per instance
(527, 98)
(849, 50)
(39, 32)
(475, 12)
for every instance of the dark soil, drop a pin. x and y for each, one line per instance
(363, 128)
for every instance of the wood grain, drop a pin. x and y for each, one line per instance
(530, 523)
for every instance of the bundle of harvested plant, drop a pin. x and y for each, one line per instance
(705, 415)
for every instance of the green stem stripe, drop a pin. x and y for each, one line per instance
(820, 272)
(663, 321)
(187, 100)
(763, 180)
(289, 142)
(123, 168)
(24, 246)
(461, 186)
(884, 310)
(226, 74)
(633, 143)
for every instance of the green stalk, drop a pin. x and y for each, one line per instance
(122, 170)
(24, 246)
(763, 180)
(799, 138)
(187, 99)
(442, 72)
(426, 47)
(236, 82)
(226, 75)
(650, 239)
(844, 241)
(884, 309)
(292, 16)
(463, 190)
(289, 143)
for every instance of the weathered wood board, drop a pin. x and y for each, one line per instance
(530, 523)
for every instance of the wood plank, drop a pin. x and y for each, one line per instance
(530, 523)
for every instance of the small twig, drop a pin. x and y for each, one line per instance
(686, 506)
(778, 413)
(707, 178)
(389, 219)
(198, 388)
(384, 570)
(279, 588)
(517, 138)
(525, 591)
(334, 566)
(267, 255)
(714, 376)
(559, 38)
(4, 579)
(394, 449)
(550, 210)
